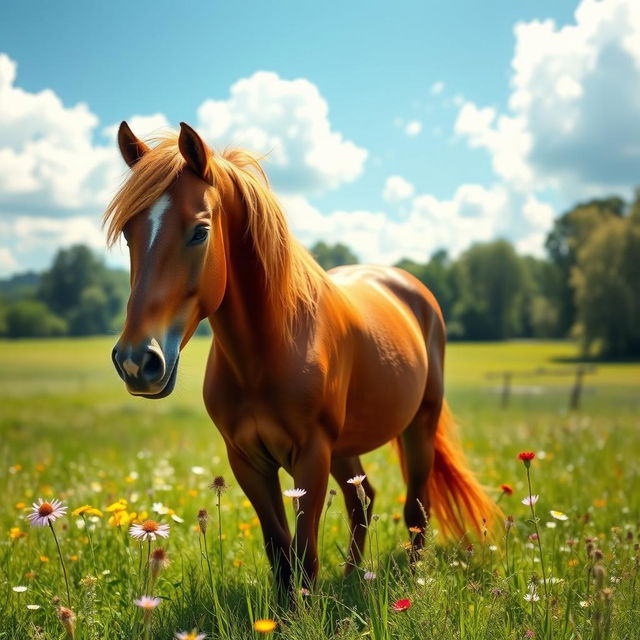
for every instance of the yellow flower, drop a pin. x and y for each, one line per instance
(120, 505)
(20, 505)
(121, 519)
(15, 533)
(86, 510)
(264, 626)
(193, 493)
(73, 558)
(40, 467)
(44, 559)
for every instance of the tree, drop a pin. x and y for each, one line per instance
(570, 232)
(31, 318)
(329, 256)
(81, 289)
(606, 279)
(491, 281)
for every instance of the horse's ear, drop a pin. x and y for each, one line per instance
(131, 148)
(195, 152)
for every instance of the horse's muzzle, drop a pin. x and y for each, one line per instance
(144, 369)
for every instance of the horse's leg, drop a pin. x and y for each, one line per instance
(342, 470)
(262, 487)
(417, 445)
(310, 471)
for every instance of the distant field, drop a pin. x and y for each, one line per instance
(68, 429)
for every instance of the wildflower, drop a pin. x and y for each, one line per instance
(15, 533)
(219, 485)
(415, 530)
(190, 635)
(203, 518)
(87, 510)
(44, 513)
(357, 481)
(529, 634)
(508, 523)
(369, 575)
(401, 605)
(148, 530)
(33, 607)
(198, 471)
(396, 517)
(332, 495)
(558, 515)
(147, 603)
(176, 518)
(44, 559)
(120, 505)
(68, 620)
(533, 537)
(529, 501)
(160, 508)
(159, 560)
(304, 592)
(264, 625)
(19, 589)
(551, 524)
(295, 495)
(526, 457)
(532, 596)
(506, 489)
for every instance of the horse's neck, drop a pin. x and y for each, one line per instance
(245, 325)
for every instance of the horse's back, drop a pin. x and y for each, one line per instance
(399, 337)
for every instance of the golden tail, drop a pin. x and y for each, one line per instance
(456, 497)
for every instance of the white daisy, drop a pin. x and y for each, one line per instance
(149, 530)
(19, 589)
(558, 515)
(44, 513)
(530, 500)
(147, 602)
(357, 480)
(190, 635)
(294, 493)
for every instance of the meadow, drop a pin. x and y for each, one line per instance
(69, 431)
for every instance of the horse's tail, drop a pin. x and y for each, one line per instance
(456, 497)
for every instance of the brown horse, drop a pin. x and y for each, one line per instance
(307, 370)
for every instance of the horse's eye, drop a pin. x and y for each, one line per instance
(199, 235)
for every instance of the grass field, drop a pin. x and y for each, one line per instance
(68, 430)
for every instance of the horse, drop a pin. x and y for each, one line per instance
(308, 369)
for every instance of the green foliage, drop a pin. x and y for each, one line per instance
(335, 255)
(32, 318)
(491, 281)
(569, 234)
(606, 278)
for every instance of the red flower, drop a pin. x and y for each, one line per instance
(506, 489)
(401, 605)
(526, 456)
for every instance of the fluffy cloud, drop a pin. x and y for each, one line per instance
(572, 123)
(413, 128)
(474, 214)
(396, 188)
(287, 120)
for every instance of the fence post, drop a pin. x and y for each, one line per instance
(576, 392)
(506, 388)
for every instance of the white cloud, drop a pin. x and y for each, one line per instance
(572, 123)
(473, 214)
(288, 120)
(396, 188)
(437, 88)
(8, 264)
(413, 128)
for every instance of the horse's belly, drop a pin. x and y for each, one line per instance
(383, 398)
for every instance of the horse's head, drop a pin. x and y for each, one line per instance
(169, 214)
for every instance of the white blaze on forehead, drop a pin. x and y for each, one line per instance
(155, 216)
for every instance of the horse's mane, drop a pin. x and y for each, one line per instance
(293, 278)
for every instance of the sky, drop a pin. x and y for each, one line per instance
(398, 130)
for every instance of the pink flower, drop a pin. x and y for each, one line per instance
(44, 513)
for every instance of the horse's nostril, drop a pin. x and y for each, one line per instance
(153, 366)
(116, 364)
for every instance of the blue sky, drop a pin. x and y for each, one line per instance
(447, 124)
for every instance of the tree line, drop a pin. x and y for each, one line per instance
(587, 287)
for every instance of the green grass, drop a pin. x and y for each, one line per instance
(69, 430)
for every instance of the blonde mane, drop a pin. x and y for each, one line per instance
(294, 279)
